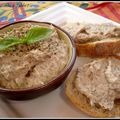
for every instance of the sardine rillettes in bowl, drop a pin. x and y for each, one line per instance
(35, 58)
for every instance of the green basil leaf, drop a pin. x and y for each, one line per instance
(34, 34)
(8, 42)
(37, 34)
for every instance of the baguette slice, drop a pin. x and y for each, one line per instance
(95, 40)
(82, 102)
(107, 47)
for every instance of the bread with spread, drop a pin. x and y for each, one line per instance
(95, 40)
(95, 87)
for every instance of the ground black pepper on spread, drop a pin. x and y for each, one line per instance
(26, 66)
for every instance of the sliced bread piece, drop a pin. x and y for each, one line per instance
(106, 47)
(95, 40)
(82, 101)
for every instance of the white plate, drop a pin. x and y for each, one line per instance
(55, 103)
(64, 12)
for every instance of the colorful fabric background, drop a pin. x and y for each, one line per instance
(15, 11)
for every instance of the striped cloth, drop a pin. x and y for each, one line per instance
(108, 10)
(15, 11)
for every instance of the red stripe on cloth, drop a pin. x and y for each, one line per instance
(101, 5)
(3, 23)
(15, 10)
(117, 15)
(103, 13)
(23, 10)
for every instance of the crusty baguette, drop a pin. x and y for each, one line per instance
(94, 44)
(82, 102)
(90, 38)
(99, 49)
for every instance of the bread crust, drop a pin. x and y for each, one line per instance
(98, 49)
(82, 102)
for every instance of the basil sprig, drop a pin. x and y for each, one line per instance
(33, 35)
